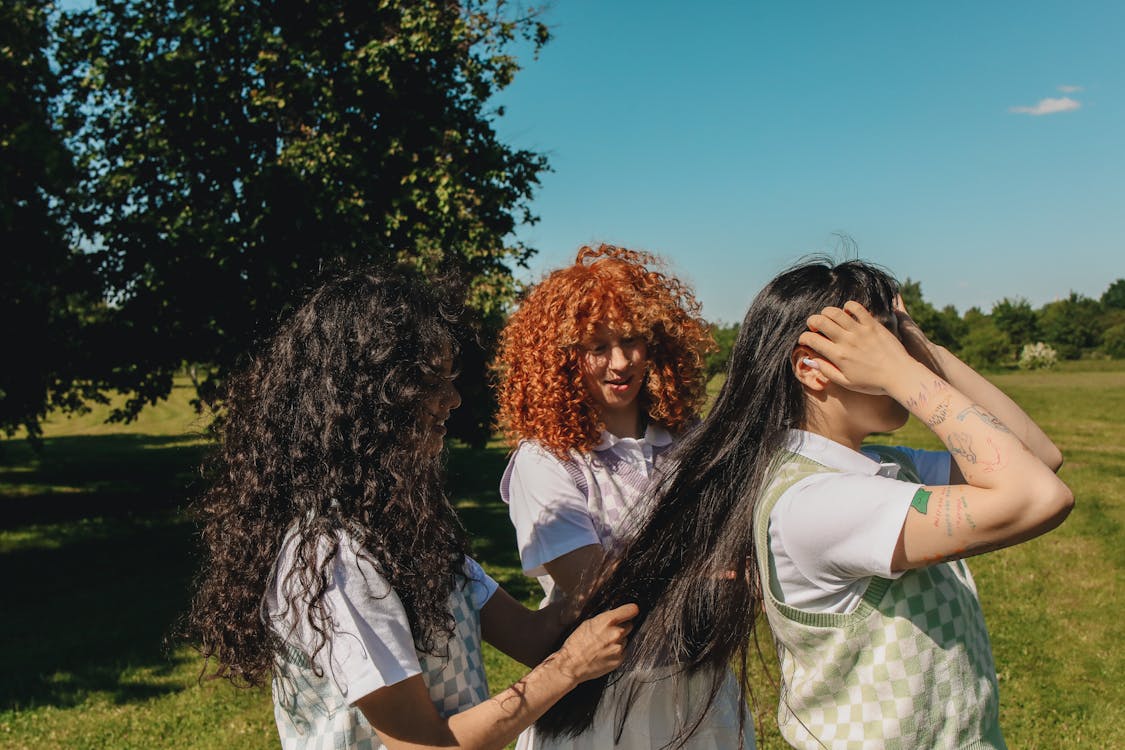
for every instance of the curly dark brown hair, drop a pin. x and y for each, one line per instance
(321, 439)
(541, 393)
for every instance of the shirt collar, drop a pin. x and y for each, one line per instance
(655, 436)
(836, 456)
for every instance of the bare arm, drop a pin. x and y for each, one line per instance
(577, 570)
(525, 635)
(528, 635)
(1010, 495)
(979, 390)
(405, 719)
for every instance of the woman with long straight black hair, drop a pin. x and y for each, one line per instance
(855, 553)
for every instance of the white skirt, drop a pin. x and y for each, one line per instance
(661, 709)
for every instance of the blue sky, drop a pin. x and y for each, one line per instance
(978, 147)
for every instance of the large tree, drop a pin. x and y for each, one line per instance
(46, 288)
(233, 152)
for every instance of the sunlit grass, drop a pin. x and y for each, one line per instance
(97, 560)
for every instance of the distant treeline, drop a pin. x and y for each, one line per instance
(1012, 334)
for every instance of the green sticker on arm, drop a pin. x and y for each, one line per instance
(921, 500)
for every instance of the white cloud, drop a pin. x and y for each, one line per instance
(1070, 89)
(1048, 107)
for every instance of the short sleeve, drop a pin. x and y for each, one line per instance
(371, 645)
(837, 528)
(481, 585)
(547, 508)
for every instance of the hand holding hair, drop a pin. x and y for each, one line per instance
(858, 351)
(597, 646)
(917, 344)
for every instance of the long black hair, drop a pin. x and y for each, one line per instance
(689, 564)
(321, 438)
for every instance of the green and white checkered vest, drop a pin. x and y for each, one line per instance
(910, 668)
(313, 714)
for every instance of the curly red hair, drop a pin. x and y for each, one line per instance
(541, 393)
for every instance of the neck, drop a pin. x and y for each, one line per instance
(838, 430)
(625, 422)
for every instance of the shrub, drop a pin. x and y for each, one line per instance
(985, 346)
(1113, 341)
(1037, 356)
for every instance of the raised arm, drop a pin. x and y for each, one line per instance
(405, 718)
(1010, 495)
(979, 390)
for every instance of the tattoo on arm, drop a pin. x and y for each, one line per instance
(942, 509)
(921, 500)
(996, 461)
(941, 411)
(920, 399)
(961, 444)
(984, 416)
(947, 507)
(965, 511)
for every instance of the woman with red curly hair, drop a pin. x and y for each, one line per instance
(601, 370)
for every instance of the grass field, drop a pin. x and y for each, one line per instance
(97, 559)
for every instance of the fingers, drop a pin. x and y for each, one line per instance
(828, 322)
(828, 351)
(840, 318)
(859, 313)
(622, 614)
(818, 342)
(833, 322)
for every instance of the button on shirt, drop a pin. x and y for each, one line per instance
(830, 533)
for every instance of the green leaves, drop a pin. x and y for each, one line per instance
(234, 153)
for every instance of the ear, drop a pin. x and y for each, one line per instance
(808, 374)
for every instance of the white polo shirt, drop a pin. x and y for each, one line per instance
(553, 515)
(831, 532)
(372, 644)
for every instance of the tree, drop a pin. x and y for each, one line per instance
(45, 286)
(233, 153)
(1018, 320)
(1114, 341)
(1114, 297)
(940, 327)
(1071, 324)
(985, 345)
(716, 360)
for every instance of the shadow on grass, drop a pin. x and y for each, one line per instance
(474, 481)
(89, 615)
(97, 561)
(96, 476)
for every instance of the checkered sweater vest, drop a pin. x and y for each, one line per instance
(612, 488)
(313, 714)
(910, 668)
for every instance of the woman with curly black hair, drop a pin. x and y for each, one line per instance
(333, 558)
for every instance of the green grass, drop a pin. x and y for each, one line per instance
(97, 561)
